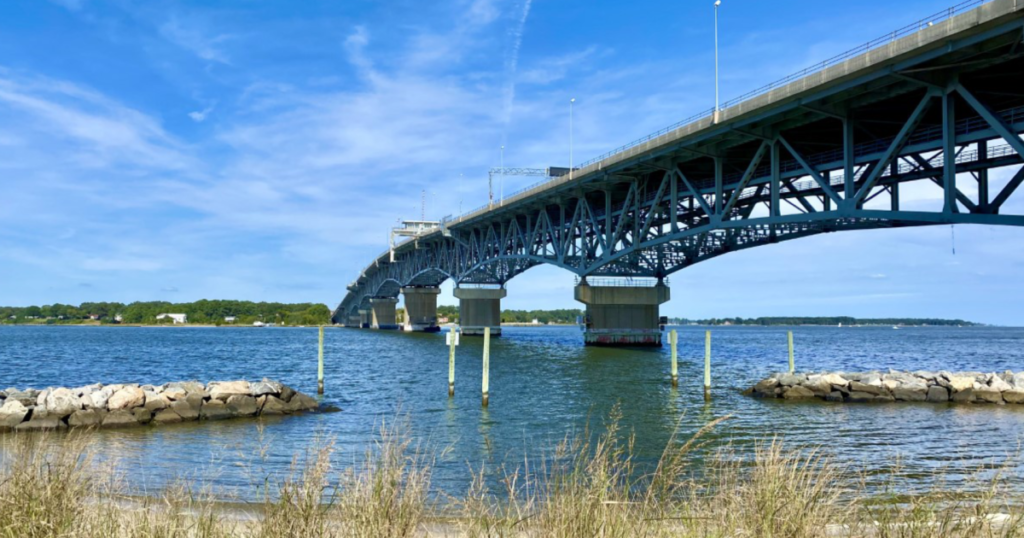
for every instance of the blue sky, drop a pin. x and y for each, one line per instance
(261, 150)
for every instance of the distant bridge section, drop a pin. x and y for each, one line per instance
(904, 131)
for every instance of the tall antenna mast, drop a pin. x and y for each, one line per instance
(423, 205)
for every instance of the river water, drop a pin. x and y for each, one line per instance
(544, 385)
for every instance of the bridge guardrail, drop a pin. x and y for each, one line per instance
(940, 16)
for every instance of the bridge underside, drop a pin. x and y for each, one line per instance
(929, 136)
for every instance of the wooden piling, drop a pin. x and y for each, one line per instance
(707, 365)
(487, 365)
(792, 366)
(320, 364)
(451, 362)
(673, 339)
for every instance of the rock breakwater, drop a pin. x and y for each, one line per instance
(124, 405)
(893, 386)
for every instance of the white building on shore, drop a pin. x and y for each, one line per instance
(177, 318)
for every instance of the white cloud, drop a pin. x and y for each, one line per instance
(194, 37)
(199, 116)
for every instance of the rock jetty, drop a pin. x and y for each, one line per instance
(894, 386)
(124, 405)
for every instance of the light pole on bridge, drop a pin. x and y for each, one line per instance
(717, 3)
(571, 101)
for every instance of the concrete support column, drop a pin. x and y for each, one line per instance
(354, 320)
(421, 309)
(383, 311)
(622, 316)
(365, 318)
(479, 308)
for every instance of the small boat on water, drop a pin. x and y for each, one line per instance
(895, 327)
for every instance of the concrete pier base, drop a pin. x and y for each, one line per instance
(480, 308)
(622, 316)
(421, 309)
(383, 311)
(354, 321)
(365, 318)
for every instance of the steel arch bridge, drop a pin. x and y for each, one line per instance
(849, 146)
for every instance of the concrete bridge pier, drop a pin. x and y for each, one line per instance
(382, 310)
(354, 321)
(622, 315)
(480, 308)
(421, 309)
(365, 318)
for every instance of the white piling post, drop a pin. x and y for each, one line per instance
(707, 365)
(320, 364)
(673, 339)
(452, 335)
(792, 366)
(487, 365)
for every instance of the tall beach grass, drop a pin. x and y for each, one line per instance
(590, 485)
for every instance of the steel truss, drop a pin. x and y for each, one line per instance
(839, 160)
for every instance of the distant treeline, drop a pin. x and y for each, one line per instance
(563, 315)
(835, 320)
(198, 312)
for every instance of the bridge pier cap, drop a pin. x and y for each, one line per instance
(480, 307)
(421, 309)
(382, 310)
(622, 312)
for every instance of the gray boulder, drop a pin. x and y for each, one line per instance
(273, 405)
(765, 387)
(46, 422)
(12, 413)
(166, 416)
(86, 417)
(25, 397)
(964, 396)
(834, 396)
(266, 387)
(789, 380)
(174, 393)
(984, 393)
(818, 385)
(222, 390)
(61, 402)
(857, 386)
(187, 386)
(98, 399)
(997, 383)
(938, 394)
(301, 402)
(1014, 396)
(911, 392)
(119, 418)
(127, 398)
(142, 415)
(286, 393)
(215, 410)
(188, 409)
(242, 406)
(156, 402)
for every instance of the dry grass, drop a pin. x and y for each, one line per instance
(588, 486)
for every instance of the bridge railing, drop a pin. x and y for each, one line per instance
(947, 13)
(890, 37)
(622, 282)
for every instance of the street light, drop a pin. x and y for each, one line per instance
(571, 101)
(717, 3)
(501, 183)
